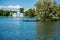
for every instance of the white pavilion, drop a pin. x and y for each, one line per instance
(18, 14)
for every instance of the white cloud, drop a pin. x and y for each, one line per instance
(13, 8)
(26, 9)
(16, 7)
(3, 7)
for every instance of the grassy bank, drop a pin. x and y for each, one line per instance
(40, 19)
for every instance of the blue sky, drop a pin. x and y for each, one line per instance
(23, 3)
(58, 1)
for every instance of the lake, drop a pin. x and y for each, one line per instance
(16, 29)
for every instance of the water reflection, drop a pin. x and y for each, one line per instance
(16, 29)
(47, 30)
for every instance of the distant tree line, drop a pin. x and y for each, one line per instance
(6, 13)
(28, 13)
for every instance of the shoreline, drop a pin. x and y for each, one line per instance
(37, 19)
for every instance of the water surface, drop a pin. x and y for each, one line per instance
(16, 29)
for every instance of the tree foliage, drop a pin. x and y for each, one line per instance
(30, 13)
(6, 13)
(21, 10)
(47, 9)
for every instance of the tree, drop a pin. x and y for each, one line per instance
(6, 12)
(46, 9)
(30, 13)
(1, 11)
(21, 10)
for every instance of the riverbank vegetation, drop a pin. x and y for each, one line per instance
(30, 13)
(6, 13)
(47, 10)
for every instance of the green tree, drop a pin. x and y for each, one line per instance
(21, 10)
(30, 13)
(6, 13)
(1, 12)
(46, 9)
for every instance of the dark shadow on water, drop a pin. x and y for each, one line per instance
(30, 20)
(48, 30)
